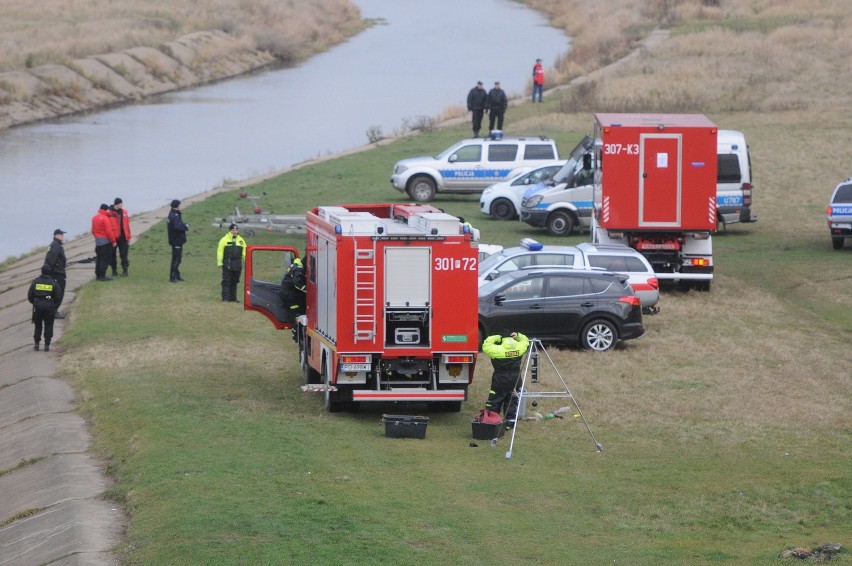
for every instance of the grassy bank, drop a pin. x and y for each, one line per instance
(726, 428)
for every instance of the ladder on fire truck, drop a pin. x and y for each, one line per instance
(365, 293)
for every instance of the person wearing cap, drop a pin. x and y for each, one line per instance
(121, 220)
(496, 104)
(538, 80)
(230, 256)
(506, 351)
(476, 104)
(177, 230)
(45, 295)
(103, 229)
(54, 263)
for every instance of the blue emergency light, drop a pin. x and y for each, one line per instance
(531, 245)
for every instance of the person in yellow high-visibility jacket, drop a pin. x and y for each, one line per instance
(230, 256)
(506, 352)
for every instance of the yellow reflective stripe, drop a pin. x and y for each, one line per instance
(43, 287)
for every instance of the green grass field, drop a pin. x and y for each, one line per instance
(726, 428)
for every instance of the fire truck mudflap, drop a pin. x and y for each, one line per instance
(391, 305)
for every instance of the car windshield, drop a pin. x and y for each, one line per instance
(569, 169)
(447, 152)
(488, 263)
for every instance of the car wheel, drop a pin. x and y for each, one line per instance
(599, 335)
(421, 188)
(837, 243)
(503, 209)
(560, 223)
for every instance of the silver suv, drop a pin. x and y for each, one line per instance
(839, 213)
(471, 165)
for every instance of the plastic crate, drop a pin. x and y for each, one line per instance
(405, 426)
(486, 431)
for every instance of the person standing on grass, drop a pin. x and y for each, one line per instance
(230, 256)
(538, 79)
(506, 351)
(54, 263)
(476, 104)
(103, 230)
(496, 105)
(121, 219)
(45, 295)
(177, 230)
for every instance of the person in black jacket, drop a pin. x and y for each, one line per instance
(54, 263)
(496, 106)
(177, 238)
(44, 294)
(476, 104)
(293, 289)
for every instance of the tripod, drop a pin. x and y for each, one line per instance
(530, 377)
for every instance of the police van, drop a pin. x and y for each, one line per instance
(733, 182)
(469, 166)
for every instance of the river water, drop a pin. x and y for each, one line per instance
(420, 58)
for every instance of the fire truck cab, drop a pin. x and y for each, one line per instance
(392, 304)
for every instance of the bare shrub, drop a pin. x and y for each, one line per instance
(419, 124)
(374, 134)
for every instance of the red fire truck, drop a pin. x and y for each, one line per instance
(392, 304)
(655, 190)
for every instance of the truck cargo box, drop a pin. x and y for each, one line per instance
(658, 172)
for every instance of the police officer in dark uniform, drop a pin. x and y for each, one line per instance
(54, 263)
(476, 104)
(293, 289)
(506, 352)
(177, 238)
(496, 105)
(44, 294)
(230, 256)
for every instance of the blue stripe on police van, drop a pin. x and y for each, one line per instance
(841, 210)
(577, 203)
(474, 173)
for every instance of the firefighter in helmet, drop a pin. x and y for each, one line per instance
(45, 294)
(293, 289)
(506, 351)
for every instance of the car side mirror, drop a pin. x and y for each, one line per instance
(453, 158)
(498, 299)
(527, 181)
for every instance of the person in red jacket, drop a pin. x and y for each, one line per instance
(538, 79)
(121, 219)
(104, 231)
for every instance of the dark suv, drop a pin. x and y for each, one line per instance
(596, 309)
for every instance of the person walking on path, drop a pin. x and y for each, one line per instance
(121, 218)
(45, 295)
(476, 104)
(538, 80)
(177, 230)
(230, 256)
(496, 105)
(506, 351)
(103, 229)
(54, 263)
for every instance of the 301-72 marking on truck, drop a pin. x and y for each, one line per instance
(455, 264)
(621, 148)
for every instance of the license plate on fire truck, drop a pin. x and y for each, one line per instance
(355, 367)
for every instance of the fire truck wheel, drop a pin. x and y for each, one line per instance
(421, 188)
(451, 406)
(560, 223)
(503, 209)
(332, 405)
(599, 335)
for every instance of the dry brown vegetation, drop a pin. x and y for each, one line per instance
(52, 31)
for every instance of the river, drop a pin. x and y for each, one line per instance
(420, 58)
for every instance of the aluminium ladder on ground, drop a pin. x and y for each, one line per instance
(529, 377)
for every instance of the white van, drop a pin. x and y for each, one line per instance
(733, 182)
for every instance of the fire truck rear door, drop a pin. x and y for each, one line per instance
(265, 267)
(408, 276)
(660, 178)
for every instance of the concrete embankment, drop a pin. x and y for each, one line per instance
(92, 83)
